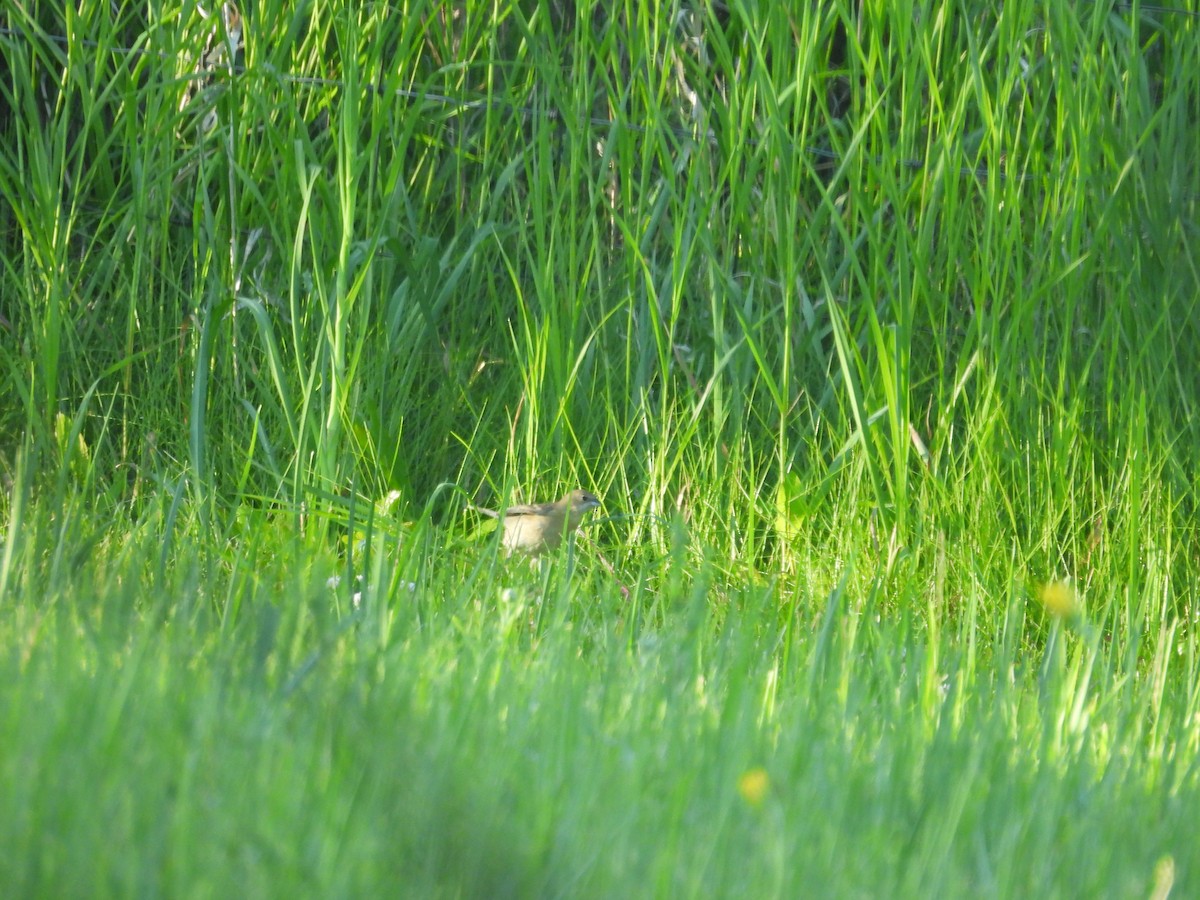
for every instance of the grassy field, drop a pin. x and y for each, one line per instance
(875, 326)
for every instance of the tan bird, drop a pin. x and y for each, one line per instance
(538, 528)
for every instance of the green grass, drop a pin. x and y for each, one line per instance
(866, 321)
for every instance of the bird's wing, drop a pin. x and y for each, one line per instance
(486, 512)
(530, 509)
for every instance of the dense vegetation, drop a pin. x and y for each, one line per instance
(875, 326)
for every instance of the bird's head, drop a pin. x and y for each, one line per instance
(580, 501)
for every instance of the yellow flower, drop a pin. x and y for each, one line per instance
(753, 784)
(1060, 599)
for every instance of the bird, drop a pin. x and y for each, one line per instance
(537, 528)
